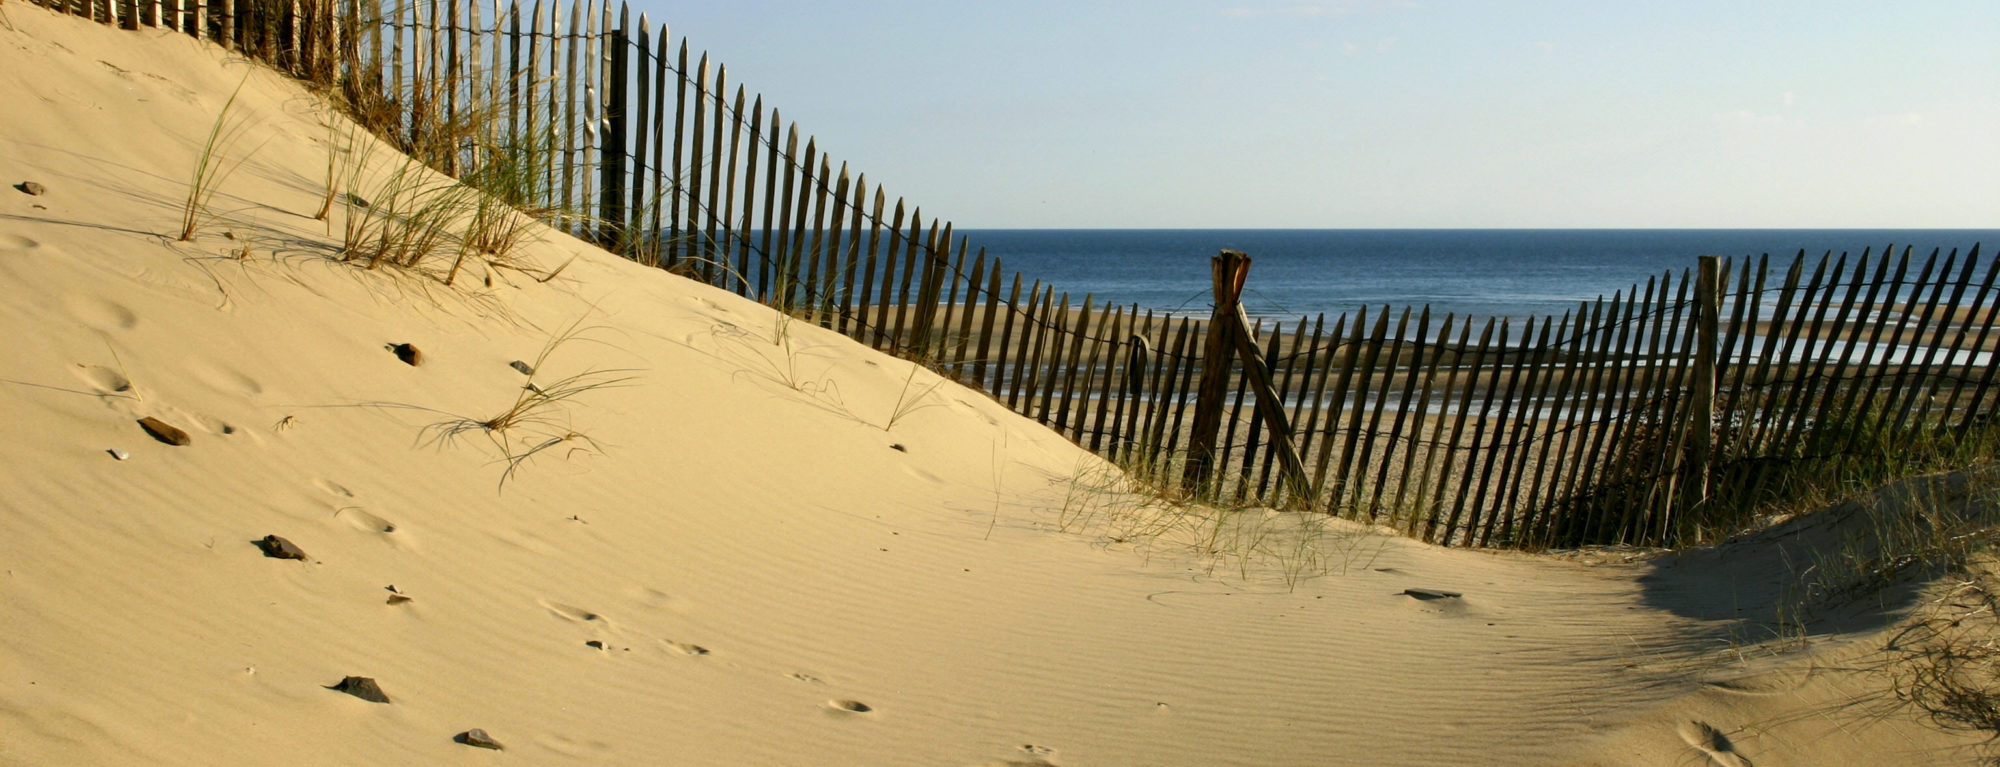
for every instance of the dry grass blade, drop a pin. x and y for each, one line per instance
(212, 166)
(538, 419)
(411, 215)
(335, 151)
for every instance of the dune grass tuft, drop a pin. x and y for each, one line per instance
(214, 164)
(1143, 504)
(538, 420)
(407, 217)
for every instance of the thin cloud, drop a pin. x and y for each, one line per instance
(1321, 8)
(1329, 9)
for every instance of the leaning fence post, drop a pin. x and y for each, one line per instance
(1229, 333)
(1701, 426)
(1228, 269)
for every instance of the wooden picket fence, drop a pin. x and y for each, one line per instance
(1617, 422)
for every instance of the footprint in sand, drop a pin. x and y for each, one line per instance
(213, 425)
(364, 521)
(1763, 684)
(578, 747)
(921, 474)
(99, 313)
(333, 487)
(227, 381)
(849, 705)
(1708, 740)
(103, 380)
(14, 243)
(570, 612)
(654, 599)
(684, 648)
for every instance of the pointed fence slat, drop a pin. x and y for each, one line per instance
(1428, 356)
(851, 254)
(1910, 346)
(1925, 388)
(1979, 308)
(1344, 490)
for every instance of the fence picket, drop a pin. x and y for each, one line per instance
(765, 289)
(1030, 350)
(677, 172)
(1370, 354)
(1403, 401)
(1977, 309)
(960, 347)
(1457, 438)
(1866, 404)
(737, 242)
(851, 255)
(577, 64)
(1519, 411)
(1305, 407)
(1926, 372)
(1554, 418)
(824, 241)
(986, 326)
(1972, 409)
(1110, 359)
(1311, 431)
(1896, 390)
(1335, 406)
(655, 160)
(1375, 415)
(714, 217)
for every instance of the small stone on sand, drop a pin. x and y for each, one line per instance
(1428, 594)
(361, 687)
(408, 354)
(478, 738)
(525, 368)
(119, 454)
(279, 548)
(165, 432)
(31, 188)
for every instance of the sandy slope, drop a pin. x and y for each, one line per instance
(749, 547)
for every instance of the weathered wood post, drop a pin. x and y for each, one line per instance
(1701, 423)
(1228, 270)
(611, 106)
(1229, 332)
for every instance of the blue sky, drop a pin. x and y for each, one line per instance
(1379, 113)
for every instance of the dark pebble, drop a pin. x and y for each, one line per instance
(279, 548)
(408, 354)
(165, 432)
(361, 687)
(477, 738)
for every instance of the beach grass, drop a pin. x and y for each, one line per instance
(539, 418)
(216, 161)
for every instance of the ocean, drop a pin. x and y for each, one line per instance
(1479, 272)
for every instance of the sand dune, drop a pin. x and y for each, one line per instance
(744, 552)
